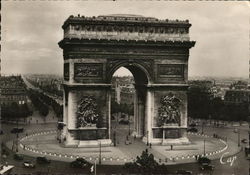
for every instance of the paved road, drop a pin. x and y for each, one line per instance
(239, 167)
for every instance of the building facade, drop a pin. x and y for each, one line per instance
(13, 89)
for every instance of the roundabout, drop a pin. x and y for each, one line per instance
(44, 143)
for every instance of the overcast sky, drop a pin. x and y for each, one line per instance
(32, 29)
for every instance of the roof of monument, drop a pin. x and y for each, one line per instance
(124, 18)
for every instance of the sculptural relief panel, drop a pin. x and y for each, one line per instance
(170, 70)
(170, 108)
(91, 109)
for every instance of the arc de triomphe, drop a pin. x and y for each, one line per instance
(155, 51)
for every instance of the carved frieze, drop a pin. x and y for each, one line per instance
(87, 114)
(88, 70)
(66, 71)
(170, 70)
(169, 111)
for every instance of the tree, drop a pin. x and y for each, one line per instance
(145, 164)
(199, 99)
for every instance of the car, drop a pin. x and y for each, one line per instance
(244, 140)
(16, 130)
(235, 130)
(80, 163)
(18, 156)
(183, 172)
(1, 166)
(124, 122)
(29, 164)
(192, 125)
(207, 166)
(42, 160)
(192, 130)
(203, 160)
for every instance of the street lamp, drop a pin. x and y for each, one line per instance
(239, 137)
(202, 126)
(147, 139)
(204, 147)
(129, 127)
(100, 153)
(114, 137)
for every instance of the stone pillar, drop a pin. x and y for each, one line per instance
(148, 116)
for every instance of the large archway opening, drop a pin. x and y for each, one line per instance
(128, 104)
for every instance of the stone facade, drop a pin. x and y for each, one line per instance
(155, 51)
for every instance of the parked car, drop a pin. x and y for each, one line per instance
(244, 140)
(16, 130)
(18, 156)
(124, 122)
(207, 166)
(1, 166)
(29, 164)
(192, 125)
(42, 160)
(183, 172)
(192, 130)
(80, 163)
(203, 160)
(235, 130)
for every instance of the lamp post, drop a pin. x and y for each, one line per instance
(17, 136)
(129, 127)
(238, 137)
(114, 138)
(147, 139)
(100, 153)
(202, 126)
(204, 147)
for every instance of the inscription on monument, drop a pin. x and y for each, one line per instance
(66, 71)
(171, 70)
(88, 70)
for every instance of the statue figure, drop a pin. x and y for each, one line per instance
(87, 112)
(169, 111)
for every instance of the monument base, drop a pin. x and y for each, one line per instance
(177, 141)
(89, 143)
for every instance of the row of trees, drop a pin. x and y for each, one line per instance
(47, 101)
(39, 104)
(123, 108)
(15, 111)
(202, 103)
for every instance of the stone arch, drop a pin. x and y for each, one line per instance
(137, 69)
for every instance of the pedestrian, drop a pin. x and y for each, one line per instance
(134, 137)
(150, 145)
(171, 147)
(36, 121)
(196, 157)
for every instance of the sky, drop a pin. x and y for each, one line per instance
(31, 31)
